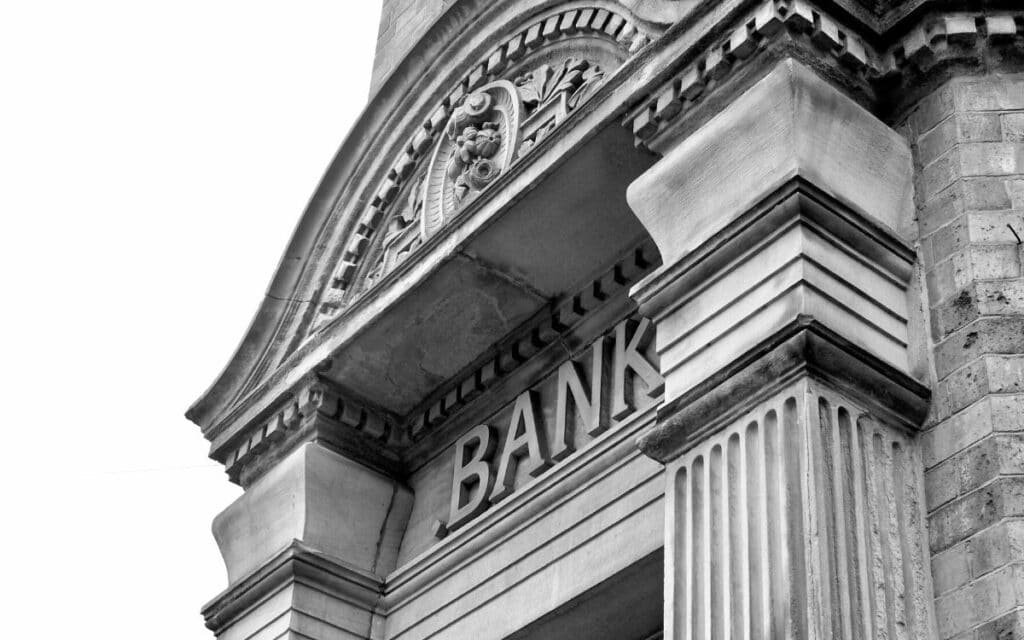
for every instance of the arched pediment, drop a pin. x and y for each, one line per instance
(403, 175)
(531, 82)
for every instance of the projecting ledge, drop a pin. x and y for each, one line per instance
(775, 222)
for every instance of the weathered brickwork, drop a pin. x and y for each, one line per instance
(402, 23)
(969, 148)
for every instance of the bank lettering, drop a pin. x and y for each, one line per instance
(482, 478)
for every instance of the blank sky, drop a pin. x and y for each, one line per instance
(154, 158)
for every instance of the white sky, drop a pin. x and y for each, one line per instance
(154, 158)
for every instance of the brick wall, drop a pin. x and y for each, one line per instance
(402, 23)
(969, 149)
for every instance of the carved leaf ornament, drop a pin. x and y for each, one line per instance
(498, 113)
(489, 129)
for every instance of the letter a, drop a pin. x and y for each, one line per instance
(629, 356)
(468, 473)
(529, 442)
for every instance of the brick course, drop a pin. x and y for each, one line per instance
(968, 139)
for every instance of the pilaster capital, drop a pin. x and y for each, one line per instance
(776, 226)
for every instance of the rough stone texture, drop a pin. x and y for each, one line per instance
(402, 23)
(967, 140)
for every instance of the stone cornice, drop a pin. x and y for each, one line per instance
(873, 66)
(315, 410)
(318, 410)
(553, 325)
(704, 55)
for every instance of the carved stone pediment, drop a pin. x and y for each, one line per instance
(489, 130)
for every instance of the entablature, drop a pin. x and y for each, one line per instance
(357, 296)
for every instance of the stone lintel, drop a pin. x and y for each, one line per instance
(316, 411)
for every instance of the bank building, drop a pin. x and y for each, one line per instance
(636, 319)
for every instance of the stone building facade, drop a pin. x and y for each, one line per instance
(646, 318)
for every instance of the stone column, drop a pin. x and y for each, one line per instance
(789, 427)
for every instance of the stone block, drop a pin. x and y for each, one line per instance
(989, 374)
(995, 228)
(991, 158)
(985, 262)
(954, 313)
(940, 174)
(950, 569)
(938, 141)
(941, 209)
(1016, 188)
(992, 456)
(949, 239)
(933, 110)
(995, 547)
(990, 598)
(957, 432)
(1007, 412)
(1000, 297)
(1013, 127)
(940, 283)
(987, 335)
(957, 520)
(979, 127)
(1004, 94)
(985, 194)
(1007, 627)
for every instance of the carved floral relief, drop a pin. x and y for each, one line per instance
(489, 129)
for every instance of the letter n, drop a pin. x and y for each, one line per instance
(570, 387)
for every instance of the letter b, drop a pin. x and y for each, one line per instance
(477, 445)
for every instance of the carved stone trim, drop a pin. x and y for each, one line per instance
(513, 353)
(284, 427)
(769, 22)
(541, 32)
(938, 39)
(317, 410)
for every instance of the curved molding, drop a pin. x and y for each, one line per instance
(400, 123)
(532, 37)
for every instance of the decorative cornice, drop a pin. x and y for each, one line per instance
(512, 353)
(315, 410)
(770, 22)
(805, 347)
(937, 41)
